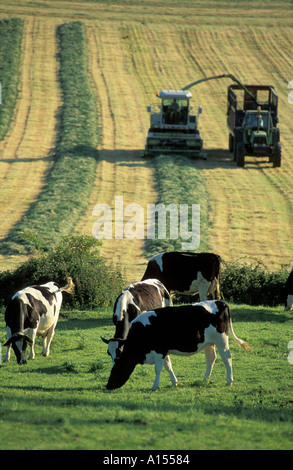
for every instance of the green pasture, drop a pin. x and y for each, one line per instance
(61, 402)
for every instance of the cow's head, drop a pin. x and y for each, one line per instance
(19, 343)
(121, 371)
(115, 347)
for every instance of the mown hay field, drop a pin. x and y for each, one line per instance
(133, 50)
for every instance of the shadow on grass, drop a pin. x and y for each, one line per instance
(84, 324)
(242, 313)
(255, 411)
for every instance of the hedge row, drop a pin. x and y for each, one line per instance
(253, 284)
(65, 196)
(10, 53)
(248, 282)
(97, 281)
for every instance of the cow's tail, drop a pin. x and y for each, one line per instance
(217, 289)
(69, 288)
(243, 344)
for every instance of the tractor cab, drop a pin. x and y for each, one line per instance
(173, 129)
(173, 111)
(258, 127)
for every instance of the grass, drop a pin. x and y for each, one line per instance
(70, 181)
(170, 171)
(10, 53)
(60, 402)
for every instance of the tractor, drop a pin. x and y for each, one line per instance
(252, 123)
(173, 128)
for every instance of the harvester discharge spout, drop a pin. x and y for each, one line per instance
(215, 77)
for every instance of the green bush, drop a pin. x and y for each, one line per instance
(252, 284)
(97, 281)
(247, 283)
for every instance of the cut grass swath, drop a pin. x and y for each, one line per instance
(10, 51)
(70, 181)
(171, 172)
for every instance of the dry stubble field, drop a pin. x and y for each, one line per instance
(136, 49)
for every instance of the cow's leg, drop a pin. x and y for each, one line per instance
(159, 361)
(203, 288)
(168, 367)
(32, 334)
(7, 354)
(47, 341)
(44, 338)
(289, 302)
(210, 354)
(223, 348)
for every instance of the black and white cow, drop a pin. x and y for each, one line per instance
(33, 311)
(187, 273)
(183, 331)
(136, 298)
(289, 292)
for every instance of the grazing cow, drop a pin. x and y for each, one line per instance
(289, 292)
(183, 331)
(188, 273)
(136, 298)
(33, 311)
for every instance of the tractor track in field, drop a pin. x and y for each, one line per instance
(272, 55)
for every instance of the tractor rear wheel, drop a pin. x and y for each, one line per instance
(240, 154)
(231, 143)
(277, 154)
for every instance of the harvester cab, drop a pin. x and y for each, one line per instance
(173, 126)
